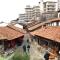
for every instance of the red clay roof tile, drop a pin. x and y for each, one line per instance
(9, 33)
(52, 33)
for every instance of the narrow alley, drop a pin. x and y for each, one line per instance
(35, 53)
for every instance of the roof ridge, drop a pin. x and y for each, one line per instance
(15, 29)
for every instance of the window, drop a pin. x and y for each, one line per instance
(54, 23)
(1, 42)
(59, 23)
(59, 15)
(50, 24)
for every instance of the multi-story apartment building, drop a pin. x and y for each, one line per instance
(49, 15)
(49, 9)
(36, 12)
(29, 11)
(58, 4)
(33, 13)
(49, 6)
(23, 17)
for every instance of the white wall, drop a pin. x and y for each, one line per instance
(59, 15)
(59, 23)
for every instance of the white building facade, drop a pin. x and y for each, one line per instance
(58, 4)
(48, 8)
(29, 11)
(22, 17)
(36, 13)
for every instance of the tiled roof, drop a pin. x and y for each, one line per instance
(52, 33)
(9, 33)
(17, 29)
(33, 23)
(52, 20)
(40, 24)
(34, 27)
(49, 12)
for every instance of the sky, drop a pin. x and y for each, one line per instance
(10, 9)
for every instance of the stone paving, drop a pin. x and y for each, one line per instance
(35, 54)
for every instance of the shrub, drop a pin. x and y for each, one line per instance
(19, 56)
(26, 57)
